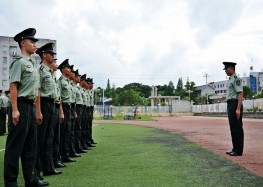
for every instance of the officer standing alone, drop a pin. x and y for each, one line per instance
(234, 98)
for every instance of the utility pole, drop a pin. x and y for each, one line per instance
(206, 75)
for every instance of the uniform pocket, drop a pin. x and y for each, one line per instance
(28, 71)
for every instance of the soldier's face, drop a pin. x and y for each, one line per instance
(77, 79)
(72, 75)
(229, 71)
(66, 71)
(49, 57)
(88, 85)
(29, 45)
(82, 83)
(54, 66)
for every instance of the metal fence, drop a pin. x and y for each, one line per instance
(248, 105)
(111, 111)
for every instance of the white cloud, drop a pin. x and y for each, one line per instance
(150, 41)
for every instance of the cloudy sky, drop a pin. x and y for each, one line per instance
(146, 41)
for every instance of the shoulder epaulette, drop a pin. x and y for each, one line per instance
(235, 76)
(18, 58)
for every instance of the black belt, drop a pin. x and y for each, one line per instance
(66, 104)
(57, 104)
(80, 105)
(231, 100)
(26, 100)
(47, 99)
(73, 104)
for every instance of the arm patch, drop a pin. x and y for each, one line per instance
(238, 82)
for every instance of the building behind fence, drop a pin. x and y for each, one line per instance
(177, 107)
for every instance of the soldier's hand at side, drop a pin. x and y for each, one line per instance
(15, 116)
(61, 118)
(39, 118)
(238, 114)
(75, 115)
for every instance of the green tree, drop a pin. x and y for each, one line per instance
(247, 94)
(129, 97)
(108, 85)
(190, 87)
(169, 90)
(144, 90)
(179, 88)
(260, 94)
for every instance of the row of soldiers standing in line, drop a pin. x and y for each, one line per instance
(50, 121)
(4, 103)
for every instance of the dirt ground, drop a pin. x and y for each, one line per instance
(214, 134)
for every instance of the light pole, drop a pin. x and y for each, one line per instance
(189, 92)
(253, 102)
(218, 105)
(103, 101)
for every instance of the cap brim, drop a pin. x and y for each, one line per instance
(52, 52)
(30, 38)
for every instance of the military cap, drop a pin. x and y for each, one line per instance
(7, 92)
(91, 81)
(71, 67)
(26, 34)
(83, 77)
(229, 64)
(88, 80)
(64, 64)
(1, 91)
(47, 48)
(76, 72)
(73, 71)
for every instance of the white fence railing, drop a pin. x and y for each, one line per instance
(129, 110)
(216, 107)
(222, 107)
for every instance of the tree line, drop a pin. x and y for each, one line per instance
(138, 94)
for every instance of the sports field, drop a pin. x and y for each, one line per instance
(214, 134)
(133, 155)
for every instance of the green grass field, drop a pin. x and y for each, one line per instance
(139, 118)
(137, 156)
